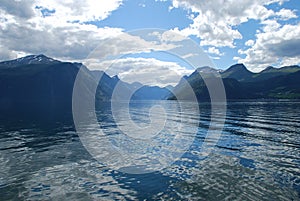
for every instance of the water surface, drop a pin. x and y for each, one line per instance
(256, 158)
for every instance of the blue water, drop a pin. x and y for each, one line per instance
(256, 158)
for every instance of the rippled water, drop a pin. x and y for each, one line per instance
(256, 158)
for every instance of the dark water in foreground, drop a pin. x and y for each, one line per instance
(256, 158)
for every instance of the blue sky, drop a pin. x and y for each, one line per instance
(258, 33)
(155, 14)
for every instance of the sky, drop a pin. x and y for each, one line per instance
(131, 37)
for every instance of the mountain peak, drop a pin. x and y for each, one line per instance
(269, 68)
(238, 72)
(285, 69)
(238, 66)
(37, 59)
(30, 59)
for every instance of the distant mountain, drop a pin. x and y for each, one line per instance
(271, 72)
(196, 81)
(242, 74)
(286, 86)
(108, 85)
(152, 93)
(138, 90)
(240, 83)
(233, 89)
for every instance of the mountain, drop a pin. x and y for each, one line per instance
(240, 83)
(242, 74)
(40, 82)
(233, 89)
(139, 91)
(238, 72)
(182, 90)
(152, 93)
(108, 85)
(286, 86)
(31, 59)
(271, 72)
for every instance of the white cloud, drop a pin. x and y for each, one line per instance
(126, 43)
(249, 43)
(78, 10)
(72, 41)
(169, 36)
(274, 45)
(58, 36)
(213, 50)
(25, 30)
(172, 36)
(270, 25)
(189, 55)
(236, 58)
(21, 9)
(215, 57)
(286, 14)
(148, 71)
(216, 21)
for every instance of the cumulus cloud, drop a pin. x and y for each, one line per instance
(26, 29)
(22, 9)
(215, 51)
(215, 22)
(279, 44)
(286, 14)
(78, 10)
(128, 43)
(56, 28)
(149, 71)
(249, 42)
(70, 42)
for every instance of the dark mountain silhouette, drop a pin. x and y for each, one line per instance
(271, 72)
(233, 88)
(38, 81)
(242, 74)
(42, 83)
(240, 83)
(286, 86)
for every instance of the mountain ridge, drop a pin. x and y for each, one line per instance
(240, 83)
(38, 80)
